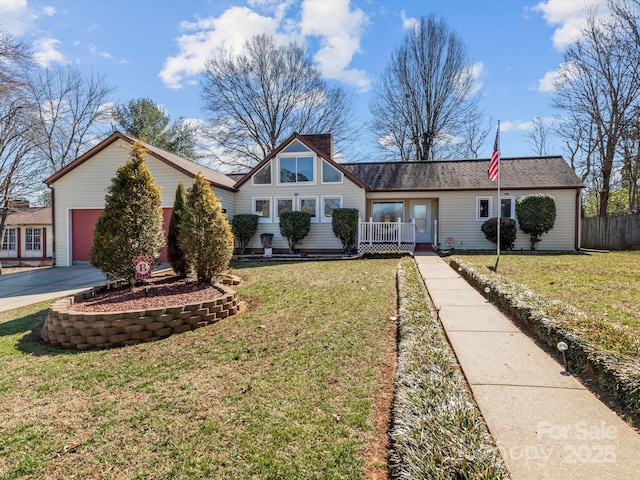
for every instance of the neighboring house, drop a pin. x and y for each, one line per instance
(27, 239)
(402, 205)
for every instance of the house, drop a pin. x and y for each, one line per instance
(27, 239)
(402, 205)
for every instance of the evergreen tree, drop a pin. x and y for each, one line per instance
(175, 254)
(131, 223)
(205, 236)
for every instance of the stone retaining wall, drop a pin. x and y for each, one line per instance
(66, 328)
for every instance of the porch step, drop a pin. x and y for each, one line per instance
(424, 247)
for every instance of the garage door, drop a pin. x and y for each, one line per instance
(83, 222)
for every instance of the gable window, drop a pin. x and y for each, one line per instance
(329, 204)
(296, 147)
(9, 240)
(508, 207)
(263, 176)
(309, 205)
(33, 239)
(262, 208)
(387, 211)
(296, 170)
(330, 174)
(483, 208)
(283, 205)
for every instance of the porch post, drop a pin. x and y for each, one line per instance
(413, 231)
(399, 232)
(435, 232)
(370, 230)
(359, 231)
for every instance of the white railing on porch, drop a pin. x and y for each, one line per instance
(386, 232)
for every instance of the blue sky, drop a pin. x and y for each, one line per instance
(157, 48)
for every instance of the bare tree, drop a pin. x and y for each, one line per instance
(72, 113)
(598, 86)
(539, 136)
(261, 95)
(426, 88)
(17, 172)
(474, 132)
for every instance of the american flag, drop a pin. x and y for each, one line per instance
(494, 165)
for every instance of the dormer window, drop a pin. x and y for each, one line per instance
(297, 169)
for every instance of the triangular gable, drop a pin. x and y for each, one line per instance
(306, 140)
(187, 167)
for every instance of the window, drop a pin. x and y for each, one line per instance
(483, 208)
(33, 239)
(263, 176)
(309, 205)
(296, 147)
(387, 211)
(296, 170)
(283, 205)
(9, 240)
(329, 204)
(330, 174)
(508, 207)
(262, 208)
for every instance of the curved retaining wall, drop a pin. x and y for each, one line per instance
(66, 328)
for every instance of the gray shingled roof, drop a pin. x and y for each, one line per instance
(524, 173)
(189, 166)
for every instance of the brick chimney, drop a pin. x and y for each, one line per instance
(322, 141)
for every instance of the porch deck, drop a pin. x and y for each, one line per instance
(386, 236)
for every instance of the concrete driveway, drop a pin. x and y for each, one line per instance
(34, 286)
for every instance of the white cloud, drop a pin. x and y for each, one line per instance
(206, 35)
(570, 16)
(16, 17)
(408, 23)
(547, 84)
(339, 29)
(46, 53)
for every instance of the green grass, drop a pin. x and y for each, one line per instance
(285, 390)
(603, 285)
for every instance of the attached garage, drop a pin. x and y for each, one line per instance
(82, 222)
(79, 190)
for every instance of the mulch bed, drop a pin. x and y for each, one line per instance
(157, 293)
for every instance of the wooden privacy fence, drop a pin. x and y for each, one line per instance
(611, 233)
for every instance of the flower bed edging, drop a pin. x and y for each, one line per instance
(69, 329)
(552, 321)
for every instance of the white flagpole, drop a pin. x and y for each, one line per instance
(499, 204)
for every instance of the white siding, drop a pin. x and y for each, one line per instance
(321, 236)
(86, 186)
(457, 219)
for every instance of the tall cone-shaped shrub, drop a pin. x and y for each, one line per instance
(205, 235)
(131, 223)
(175, 254)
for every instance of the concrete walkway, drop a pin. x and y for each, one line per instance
(545, 423)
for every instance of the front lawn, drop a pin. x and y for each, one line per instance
(603, 285)
(294, 387)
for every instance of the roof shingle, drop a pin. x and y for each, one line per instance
(515, 173)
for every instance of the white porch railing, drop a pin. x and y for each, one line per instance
(386, 233)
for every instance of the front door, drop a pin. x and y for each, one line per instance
(421, 213)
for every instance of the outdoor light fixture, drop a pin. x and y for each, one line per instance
(563, 347)
(438, 307)
(487, 290)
